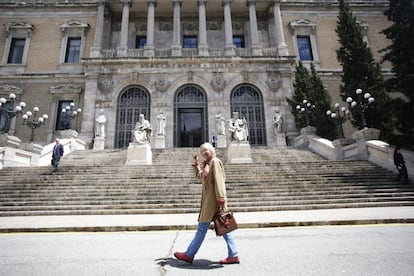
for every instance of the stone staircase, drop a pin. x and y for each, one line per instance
(99, 182)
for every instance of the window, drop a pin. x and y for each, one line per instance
(63, 120)
(190, 42)
(140, 42)
(239, 41)
(16, 47)
(305, 48)
(73, 50)
(16, 50)
(73, 45)
(304, 41)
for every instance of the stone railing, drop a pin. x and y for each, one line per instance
(188, 52)
(13, 153)
(364, 145)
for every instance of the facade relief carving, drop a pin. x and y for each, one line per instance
(7, 89)
(105, 85)
(16, 27)
(213, 26)
(218, 82)
(161, 84)
(65, 89)
(164, 26)
(274, 81)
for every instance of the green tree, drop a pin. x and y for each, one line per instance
(308, 86)
(401, 55)
(360, 70)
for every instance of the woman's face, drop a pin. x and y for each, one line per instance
(205, 152)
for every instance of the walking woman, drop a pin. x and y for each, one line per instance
(211, 173)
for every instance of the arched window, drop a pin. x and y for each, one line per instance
(248, 101)
(132, 101)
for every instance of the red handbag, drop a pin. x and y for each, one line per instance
(224, 222)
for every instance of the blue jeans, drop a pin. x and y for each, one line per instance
(199, 238)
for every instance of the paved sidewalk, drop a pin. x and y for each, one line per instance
(346, 216)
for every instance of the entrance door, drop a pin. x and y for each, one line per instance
(190, 116)
(190, 127)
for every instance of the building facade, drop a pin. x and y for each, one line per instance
(191, 60)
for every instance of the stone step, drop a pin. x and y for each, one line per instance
(278, 179)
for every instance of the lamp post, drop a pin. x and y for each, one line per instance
(32, 121)
(8, 110)
(69, 114)
(306, 109)
(339, 115)
(361, 105)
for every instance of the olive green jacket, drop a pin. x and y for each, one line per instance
(214, 189)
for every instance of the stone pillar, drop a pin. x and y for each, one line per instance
(361, 137)
(88, 114)
(176, 47)
(149, 49)
(123, 42)
(280, 37)
(229, 48)
(256, 49)
(202, 29)
(97, 44)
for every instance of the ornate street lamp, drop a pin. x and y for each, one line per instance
(306, 109)
(339, 116)
(69, 114)
(8, 110)
(361, 105)
(32, 121)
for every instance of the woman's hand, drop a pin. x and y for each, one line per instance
(195, 163)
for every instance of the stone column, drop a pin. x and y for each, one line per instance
(281, 45)
(149, 49)
(229, 48)
(256, 48)
(88, 114)
(202, 29)
(97, 44)
(176, 47)
(123, 43)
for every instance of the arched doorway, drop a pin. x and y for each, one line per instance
(190, 117)
(132, 101)
(248, 101)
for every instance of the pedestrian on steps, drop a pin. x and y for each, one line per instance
(211, 173)
(400, 164)
(57, 153)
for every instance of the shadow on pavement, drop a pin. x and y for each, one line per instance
(198, 264)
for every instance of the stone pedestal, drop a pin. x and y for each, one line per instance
(239, 153)
(339, 145)
(280, 139)
(160, 142)
(139, 154)
(99, 143)
(221, 141)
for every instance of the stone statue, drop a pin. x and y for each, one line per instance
(142, 131)
(161, 124)
(277, 122)
(238, 128)
(100, 124)
(220, 124)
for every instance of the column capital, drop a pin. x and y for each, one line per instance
(176, 2)
(274, 2)
(152, 2)
(250, 2)
(227, 2)
(101, 2)
(127, 2)
(201, 2)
